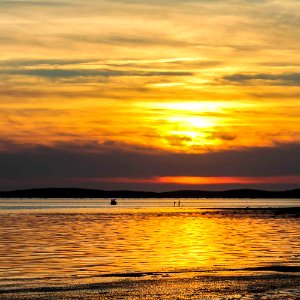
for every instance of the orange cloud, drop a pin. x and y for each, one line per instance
(199, 180)
(228, 180)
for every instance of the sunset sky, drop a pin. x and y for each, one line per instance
(150, 95)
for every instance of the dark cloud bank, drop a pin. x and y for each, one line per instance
(64, 73)
(292, 79)
(70, 166)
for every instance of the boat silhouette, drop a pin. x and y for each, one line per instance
(113, 201)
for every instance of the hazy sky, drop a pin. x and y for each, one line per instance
(152, 95)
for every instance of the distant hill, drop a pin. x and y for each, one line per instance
(93, 193)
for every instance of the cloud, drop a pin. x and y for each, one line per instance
(111, 160)
(66, 73)
(14, 3)
(129, 40)
(290, 79)
(43, 62)
(223, 136)
(140, 64)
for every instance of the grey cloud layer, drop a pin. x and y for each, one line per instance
(39, 62)
(65, 73)
(269, 79)
(71, 161)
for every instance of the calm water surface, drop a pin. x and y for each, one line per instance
(17, 204)
(66, 238)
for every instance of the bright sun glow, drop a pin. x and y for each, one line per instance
(190, 124)
(191, 130)
(191, 106)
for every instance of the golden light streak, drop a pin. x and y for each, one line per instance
(199, 180)
(193, 180)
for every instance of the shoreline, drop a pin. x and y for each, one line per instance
(257, 283)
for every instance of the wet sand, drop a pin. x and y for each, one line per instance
(247, 285)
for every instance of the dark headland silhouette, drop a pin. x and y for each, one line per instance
(93, 193)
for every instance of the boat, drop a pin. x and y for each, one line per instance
(113, 201)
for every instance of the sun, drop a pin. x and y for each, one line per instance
(193, 126)
(189, 125)
(191, 130)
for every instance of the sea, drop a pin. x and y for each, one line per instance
(60, 239)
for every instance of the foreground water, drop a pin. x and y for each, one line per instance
(77, 238)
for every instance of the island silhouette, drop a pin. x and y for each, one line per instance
(95, 193)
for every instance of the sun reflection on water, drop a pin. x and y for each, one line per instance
(58, 244)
